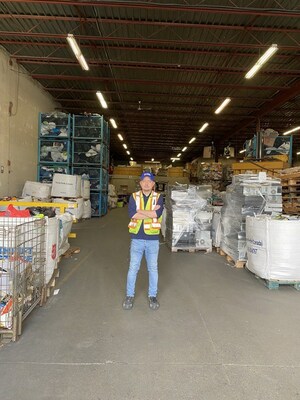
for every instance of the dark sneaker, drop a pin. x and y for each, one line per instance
(153, 303)
(128, 303)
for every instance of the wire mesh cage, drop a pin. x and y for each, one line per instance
(22, 271)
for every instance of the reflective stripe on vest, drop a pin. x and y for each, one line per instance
(151, 225)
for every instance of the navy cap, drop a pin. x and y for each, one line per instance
(147, 175)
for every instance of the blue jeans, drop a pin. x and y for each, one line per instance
(137, 249)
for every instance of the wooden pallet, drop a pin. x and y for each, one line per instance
(189, 250)
(71, 251)
(274, 284)
(6, 336)
(237, 263)
(47, 290)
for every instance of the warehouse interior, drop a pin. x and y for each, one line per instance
(93, 94)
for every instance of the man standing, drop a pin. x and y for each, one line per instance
(145, 209)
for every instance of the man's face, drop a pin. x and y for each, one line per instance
(147, 185)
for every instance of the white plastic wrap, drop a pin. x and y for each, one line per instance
(273, 247)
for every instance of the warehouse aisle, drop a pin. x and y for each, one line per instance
(219, 334)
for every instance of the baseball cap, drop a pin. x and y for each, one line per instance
(147, 175)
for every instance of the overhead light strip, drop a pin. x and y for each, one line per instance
(77, 52)
(192, 140)
(203, 127)
(223, 105)
(113, 123)
(263, 59)
(120, 137)
(292, 130)
(101, 99)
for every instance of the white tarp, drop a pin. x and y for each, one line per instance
(273, 247)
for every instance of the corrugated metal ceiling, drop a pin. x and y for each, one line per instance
(180, 59)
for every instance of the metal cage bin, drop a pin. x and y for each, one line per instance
(22, 272)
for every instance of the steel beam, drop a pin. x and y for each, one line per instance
(146, 66)
(139, 41)
(148, 82)
(166, 7)
(136, 22)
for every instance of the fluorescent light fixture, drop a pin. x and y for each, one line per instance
(101, 99)
(223, 105)
(204, 126)
(76, 50)
(113, 122)
(242, 151)
(178, 155)
(125, 146)
(174, 158)
(292, 130)
(263, 59)
(192, 140)
(83, 63)
(298, 153)
(184, 149)
(120, 137)
(128, 152)
(152, 159)
(131, 158)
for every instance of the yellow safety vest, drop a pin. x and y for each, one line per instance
(151, 225)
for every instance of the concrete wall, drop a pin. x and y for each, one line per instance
(21, 99)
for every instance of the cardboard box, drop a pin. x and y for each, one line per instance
(66, 185)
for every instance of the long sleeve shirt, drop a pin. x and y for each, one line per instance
(132, 210)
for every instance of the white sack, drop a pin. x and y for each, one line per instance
(37, 190)
(87, 209)
(65, 226)
(273, 248)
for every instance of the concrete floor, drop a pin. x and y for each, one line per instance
(219, 334)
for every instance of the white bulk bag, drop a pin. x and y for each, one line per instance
(52, 233)
(273, 248)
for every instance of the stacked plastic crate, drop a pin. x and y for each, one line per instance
(54, 145)
(90, 157)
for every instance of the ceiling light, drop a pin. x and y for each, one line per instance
(191, 141)
(242, 151)
(298, 152)
(120, 137)
(184, 149)
(76, 50)
(128, 152)
(101, 99)
(125, 146)
(223, 105)
(263, 59)
(174, 158)
(131, 158)
(152, 159)
(204, 126)
(292, 130)
(178, 155)
(113, 122)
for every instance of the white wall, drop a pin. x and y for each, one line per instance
(19, 131)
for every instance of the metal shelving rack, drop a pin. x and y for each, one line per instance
(54, 146)
(90, 157)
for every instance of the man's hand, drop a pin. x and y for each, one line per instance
(157, 207)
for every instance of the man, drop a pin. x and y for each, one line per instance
(145, 209)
